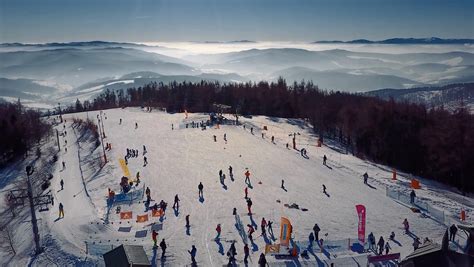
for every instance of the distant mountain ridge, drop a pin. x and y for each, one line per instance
(432, 40)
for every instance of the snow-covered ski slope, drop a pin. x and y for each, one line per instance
(181, 158)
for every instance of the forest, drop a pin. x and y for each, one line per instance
(434, 143)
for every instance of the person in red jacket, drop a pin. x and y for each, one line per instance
(218, 230)
(154, 236)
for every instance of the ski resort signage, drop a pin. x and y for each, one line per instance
(361, 227)
(285, 232)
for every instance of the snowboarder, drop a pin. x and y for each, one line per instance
(387, 248)
(316, 230)
(416, 243)
(218, 230)
(193, 254)
(311, 239)
(176, 202)
(412, 197)
(262, 261)
(61, 210)
(247, 176)
(187, 221)
(145, 161)
(406, 225)
(246, 253)
(154, 236)
(366, 176)
(246, 191)
(381, 244)
(200, 188)
(62, 184)
(263, 225)
(452, 232)
(249, 206)
(324, 159)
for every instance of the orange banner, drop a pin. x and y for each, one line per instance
(142, 218)
(126, 215)
(157, 213)
(285, 231)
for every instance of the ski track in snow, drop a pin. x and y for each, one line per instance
(180, 159)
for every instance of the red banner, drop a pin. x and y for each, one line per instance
(361, 228)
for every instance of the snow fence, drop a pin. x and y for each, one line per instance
(405, 198)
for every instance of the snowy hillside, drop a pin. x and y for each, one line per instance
(179, 159)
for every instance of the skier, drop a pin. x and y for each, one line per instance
(387, 248)
(311, 239)
(218, 230)
(193, 254)
(416, 243)
(452, 232)
(200, 188)
(262, 262)
(62, 184)
(412, 197)
(187, 221)
(176, 202)
(246, 253)
(381, 244)
(316, 230)
(406, 225)
(366, 176)
(324, 159)
(263, 225)
(246, 191)
(247, 176)
(249, 206)
(145, 161)
(324, 189)
(154, 236)
(61, 210)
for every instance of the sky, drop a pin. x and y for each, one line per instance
(41, 21)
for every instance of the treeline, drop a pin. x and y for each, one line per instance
(434, 143)
(20, 129)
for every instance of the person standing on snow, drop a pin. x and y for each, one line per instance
(311, 239)
(187, 221)
(247, 176)
(452, 232)
(316, 230)
(412, 197)
(120, 122)
(163, 248)
(144, 150)
(215, 138)
(231, 253)
(200, 188)
(250, 232)
(62, 184)
(61, 210)
(218, 230)
(416, 243)
(406, 225)
(154, 236)
(262, 261)
(263, 225)
(269, 226)
(282, 184)
(249, 206)
(387, 248)
(324, 159)
(246, 253)
(193, 254)
(176, 202)
(136, 125)
(366, 176)
(145, 161)
(324, 189)
(220, 173)
(381, 244)
(246, 191)
(371, 240)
